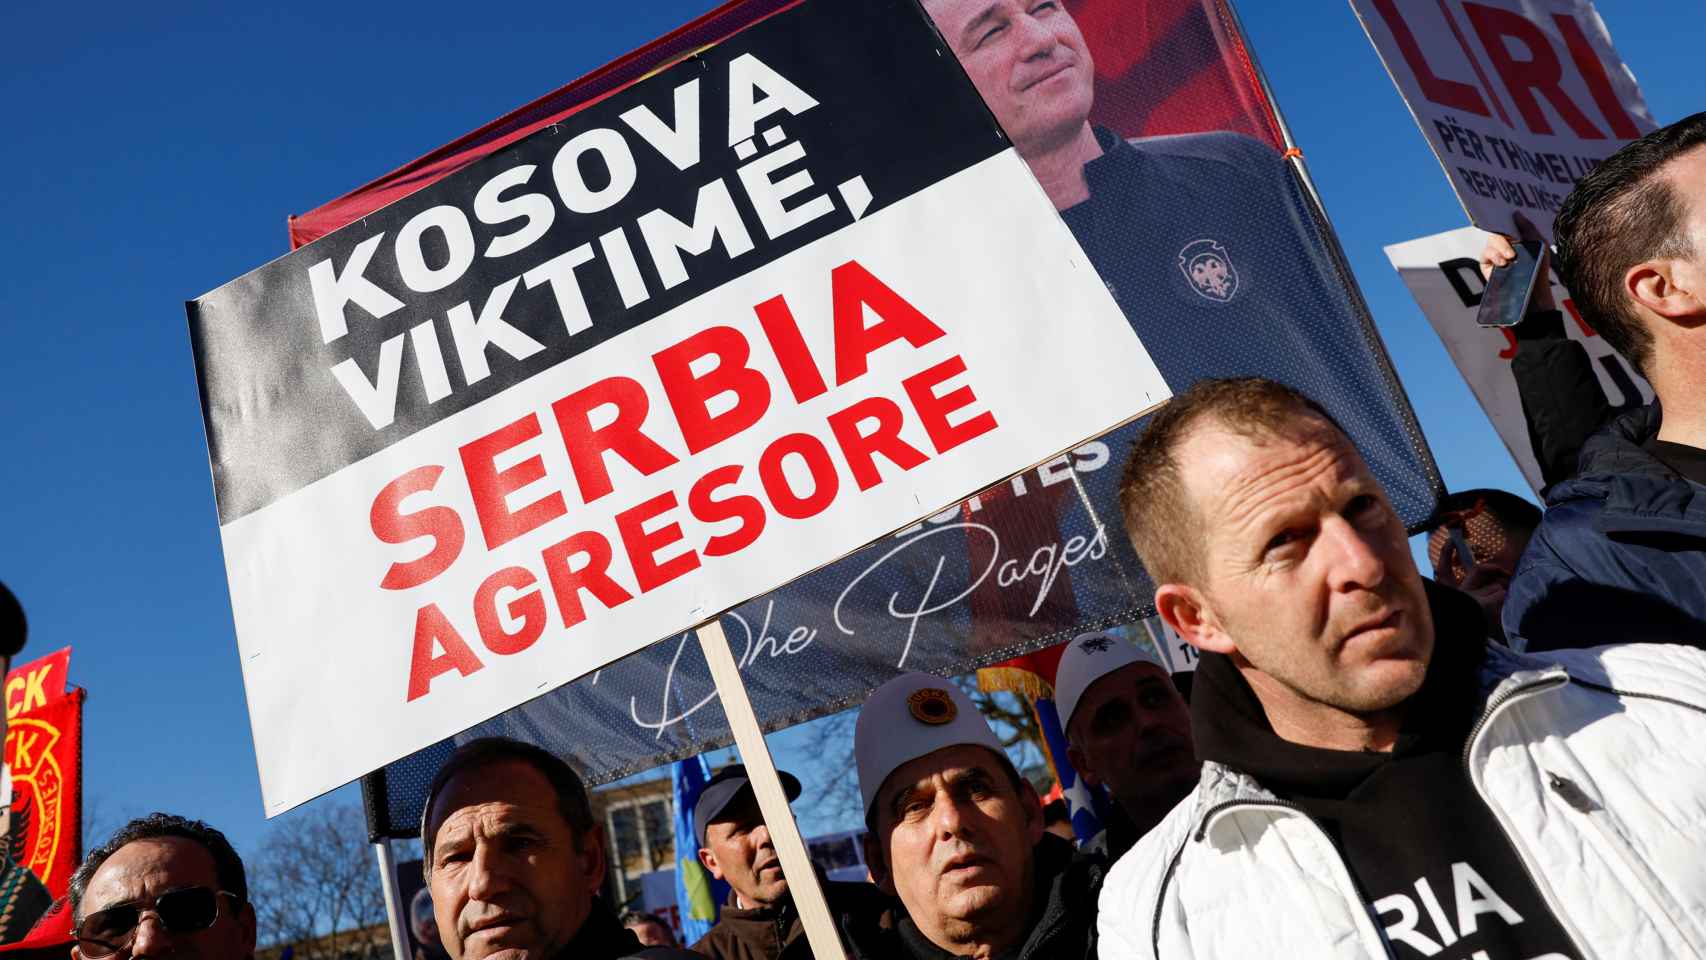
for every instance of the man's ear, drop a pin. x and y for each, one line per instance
(592, 857)
(876, 866)
(1186, 610)
(246, 920)
(1668, 288)
(709, 860)
(1081, 763)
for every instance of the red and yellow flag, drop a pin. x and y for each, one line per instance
(44, 752)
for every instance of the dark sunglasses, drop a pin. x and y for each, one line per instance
(185, 910)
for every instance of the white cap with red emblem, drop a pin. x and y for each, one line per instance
(913, 715)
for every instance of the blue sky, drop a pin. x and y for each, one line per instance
(153, 152)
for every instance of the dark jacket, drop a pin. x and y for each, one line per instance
(1118, 834)
(1063, 923)
(23, 899)
(775, 933)
(1621, 554)
(1562, 401)
(603, 937)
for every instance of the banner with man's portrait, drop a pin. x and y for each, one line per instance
(1149, 127)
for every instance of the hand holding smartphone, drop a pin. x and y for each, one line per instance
(1513, 284)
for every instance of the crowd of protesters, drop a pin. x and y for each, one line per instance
(1504, 761)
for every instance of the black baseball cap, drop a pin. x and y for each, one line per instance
(723, 788)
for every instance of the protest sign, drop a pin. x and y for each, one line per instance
(1517, 98)
(1443, 275)
(1199, 221)
(707, 335)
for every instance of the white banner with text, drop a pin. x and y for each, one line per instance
(718, 330)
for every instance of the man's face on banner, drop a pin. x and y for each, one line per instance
(1028, 60)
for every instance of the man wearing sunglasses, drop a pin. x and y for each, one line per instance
(163, 886)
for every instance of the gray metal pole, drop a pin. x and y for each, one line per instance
(395, 909)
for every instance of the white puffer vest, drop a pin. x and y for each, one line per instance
(1593, 762)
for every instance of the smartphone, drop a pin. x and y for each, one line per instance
(1510, 287)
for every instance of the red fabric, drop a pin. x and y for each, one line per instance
(1029, 529)
(1042, 662)
(37, 683)
(44, 749)
(50, 937)
(730, 18)
(1173, 66)
(1163, 66)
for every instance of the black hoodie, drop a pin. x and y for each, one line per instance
(1435, 868)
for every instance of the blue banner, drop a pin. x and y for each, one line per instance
(696, 895)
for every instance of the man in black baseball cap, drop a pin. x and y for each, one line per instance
(758, 920)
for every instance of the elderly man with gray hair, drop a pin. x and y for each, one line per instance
(957, 835)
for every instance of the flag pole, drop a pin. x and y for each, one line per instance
(394, 908)
(1294, 155)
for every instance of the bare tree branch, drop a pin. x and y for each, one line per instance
(314, 885)
(828, 743)
(102, 819)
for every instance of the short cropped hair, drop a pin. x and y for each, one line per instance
(572, 800)
(1622, 213)
(1160, 518)
(228, 867)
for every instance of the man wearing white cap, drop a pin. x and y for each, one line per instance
(958, 836)
(1127, 729)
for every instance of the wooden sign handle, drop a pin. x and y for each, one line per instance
(767, 786)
